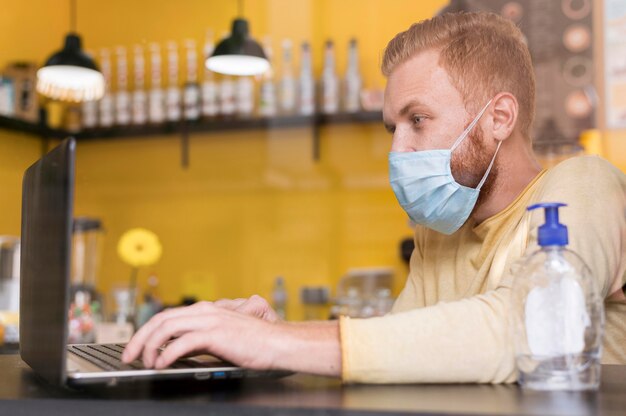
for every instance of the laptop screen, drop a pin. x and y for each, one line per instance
(47, 197)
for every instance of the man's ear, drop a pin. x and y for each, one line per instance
(504, 115)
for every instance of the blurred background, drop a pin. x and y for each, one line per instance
(258, 195)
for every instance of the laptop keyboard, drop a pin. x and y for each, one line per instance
(109, 357)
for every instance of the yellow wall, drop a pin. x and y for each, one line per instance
(17, 152)
(249, 208)
(252, 205)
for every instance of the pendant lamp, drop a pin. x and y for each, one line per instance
(238, 54)
(70, 74)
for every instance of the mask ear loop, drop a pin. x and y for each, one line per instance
(482, 181)
(470, 127)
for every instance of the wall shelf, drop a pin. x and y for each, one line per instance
(208, 126)
(185, 128)
(14, 124)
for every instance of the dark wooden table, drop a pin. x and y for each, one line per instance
(23, 393)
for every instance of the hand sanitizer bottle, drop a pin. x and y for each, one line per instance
(558, 315)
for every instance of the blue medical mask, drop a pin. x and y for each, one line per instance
(426, 190)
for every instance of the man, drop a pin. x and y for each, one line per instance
(459, 103)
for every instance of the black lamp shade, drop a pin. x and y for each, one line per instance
(70, 74)
(72, 54)
(238, 54)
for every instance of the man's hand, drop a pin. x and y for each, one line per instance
(246, 332)
(254, 306)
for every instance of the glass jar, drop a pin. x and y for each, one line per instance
(85, 301)
(9, 273)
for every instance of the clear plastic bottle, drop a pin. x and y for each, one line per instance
(558, 315)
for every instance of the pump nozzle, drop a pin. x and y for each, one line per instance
(552, 233)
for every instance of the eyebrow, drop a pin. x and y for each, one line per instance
(407, 107)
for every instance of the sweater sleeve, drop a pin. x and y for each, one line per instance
(469, 340)
(462, 341)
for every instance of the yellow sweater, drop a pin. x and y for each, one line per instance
(450, 323)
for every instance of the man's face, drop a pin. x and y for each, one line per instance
(424, 111)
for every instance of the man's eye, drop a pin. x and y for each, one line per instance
(417, 119)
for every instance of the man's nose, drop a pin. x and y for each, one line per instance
(401, 141)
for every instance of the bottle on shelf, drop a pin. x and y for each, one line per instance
(306, 82)
(329, 82)
(72, 121)
(7, 97)
(227, 99)
(172, 95)
(210, 105)
(122, 98)
(245, 96)
(227, 92)
(105, 109)
(279, 297)
(156, 103)
(139, 97)
(191, 93)
(89, 110)
(267, 93)
(287, 80)
(558, 313)
(315, 302)
(89, 114)
(151, 304)
(352, 80)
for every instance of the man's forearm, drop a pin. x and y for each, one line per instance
(308, 347)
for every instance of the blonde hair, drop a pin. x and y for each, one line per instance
(484, 54)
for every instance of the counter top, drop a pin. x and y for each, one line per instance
(23, 393)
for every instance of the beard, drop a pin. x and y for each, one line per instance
(470, 162)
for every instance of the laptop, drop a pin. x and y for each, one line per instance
(47, 218)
